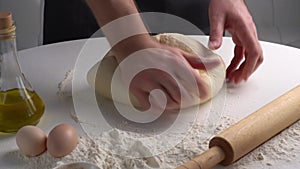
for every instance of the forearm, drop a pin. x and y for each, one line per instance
(107, 12)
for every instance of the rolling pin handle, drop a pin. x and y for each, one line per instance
(206, 160)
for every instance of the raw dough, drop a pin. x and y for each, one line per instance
(101, 77)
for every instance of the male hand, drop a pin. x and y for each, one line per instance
(177, 68)
(233, 16)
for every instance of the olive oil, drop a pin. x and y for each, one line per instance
(19, 107)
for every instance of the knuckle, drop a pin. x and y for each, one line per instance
(260, 60)
(256, 52)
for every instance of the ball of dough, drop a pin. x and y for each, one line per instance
(100, 77)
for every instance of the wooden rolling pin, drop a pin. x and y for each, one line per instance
(250, 132)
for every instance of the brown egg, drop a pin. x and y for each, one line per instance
(31, 140)
(62, 140)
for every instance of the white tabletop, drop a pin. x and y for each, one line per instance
(45, 67)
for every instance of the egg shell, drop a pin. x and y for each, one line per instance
(62, 140)
(31, 140)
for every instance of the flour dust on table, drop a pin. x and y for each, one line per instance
(282, 149)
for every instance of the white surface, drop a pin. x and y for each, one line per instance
(46, 66)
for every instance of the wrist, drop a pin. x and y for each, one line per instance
(132, 44)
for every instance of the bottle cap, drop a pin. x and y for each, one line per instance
(5, 20)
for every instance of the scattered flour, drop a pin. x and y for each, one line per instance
(285, 147)
(65, 86)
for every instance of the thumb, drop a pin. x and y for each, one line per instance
(217, 22)
(202, 63)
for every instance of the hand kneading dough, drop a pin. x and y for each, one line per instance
(101, 77)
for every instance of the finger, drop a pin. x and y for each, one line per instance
(171, 103)
(203, 89)
(165, 84)
(185, 89)
(253, 52)
(201, 62)
(259, 62)
(236, 75)
(170, 85)
(251, 62)
(143, 98)
(188, 85)
(236, 40)
(158, 101)
(217, 22)
(238, 57)
(192, 86)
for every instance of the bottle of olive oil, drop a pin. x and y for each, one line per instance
(20, 105)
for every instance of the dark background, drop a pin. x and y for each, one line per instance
(72, 19)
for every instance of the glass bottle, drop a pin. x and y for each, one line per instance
(20, 105)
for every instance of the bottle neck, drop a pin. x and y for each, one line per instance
(7, 47)
(8, 40)
(10, 72)
(8, 50)
(8, 33)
